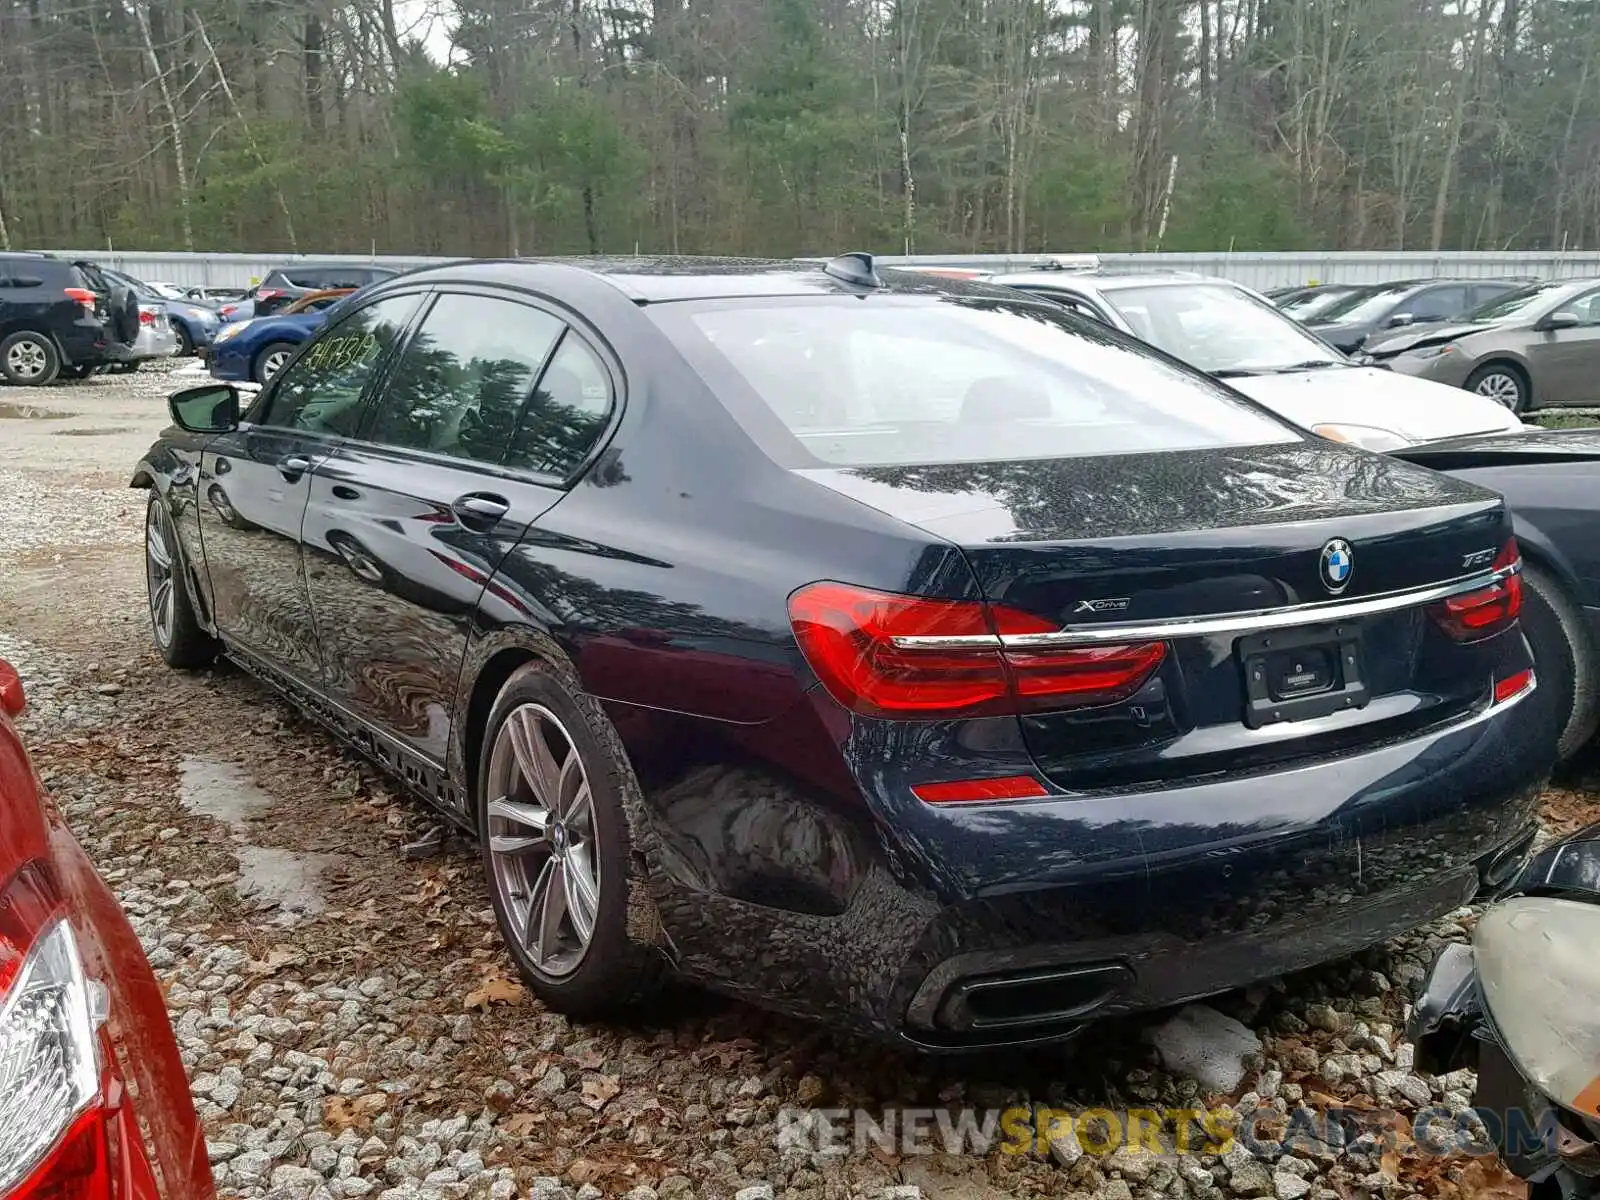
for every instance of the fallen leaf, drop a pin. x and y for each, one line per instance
(591, 1058)
(1488, 1179)
(345, 1112)
(522, 1124)
(598, 1089)
(496, 989)
(585, 1170)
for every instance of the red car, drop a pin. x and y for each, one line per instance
(86, 1051)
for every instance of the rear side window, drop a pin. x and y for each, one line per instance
(461, 384)
(567, 413)
(899, 380)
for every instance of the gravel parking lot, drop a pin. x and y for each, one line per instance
(347, 1014)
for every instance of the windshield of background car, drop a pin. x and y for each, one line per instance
(1524, 302)
(1314, 304)
(887, 380)
(1218, 328)
(1365, 305)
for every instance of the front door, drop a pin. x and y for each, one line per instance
(409, 523)
(1566, 362)
(254, 484)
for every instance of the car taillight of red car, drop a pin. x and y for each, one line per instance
(62, 1110)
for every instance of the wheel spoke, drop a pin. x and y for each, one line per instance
(156, 547)
(530, 815)
(583, 895)
(503, 844)
(553, 908)
(534, 760)
(570, 783)
(161, 603)
(537, 895)
(580, 813)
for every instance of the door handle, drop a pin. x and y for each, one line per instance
(480, 510)
(292, 466)
(345, 493)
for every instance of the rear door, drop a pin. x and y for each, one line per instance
(254, 483)
(406, 526)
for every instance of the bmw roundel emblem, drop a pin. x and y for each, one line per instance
(1337, 564)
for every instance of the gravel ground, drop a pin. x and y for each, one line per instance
(346, 1013)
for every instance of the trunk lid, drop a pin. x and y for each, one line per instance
(1291, 563)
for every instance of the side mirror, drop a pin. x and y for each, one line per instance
(1559, 320)
(212, 408)
(12, 699)
(1400, 319)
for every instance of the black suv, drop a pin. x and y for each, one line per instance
(61, 318)
(285, 285)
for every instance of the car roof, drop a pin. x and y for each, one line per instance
(656, 279)
(1086, 281)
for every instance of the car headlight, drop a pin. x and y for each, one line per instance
(1368, 437)
(232, 331)
(1540, 974)
(1438, 351)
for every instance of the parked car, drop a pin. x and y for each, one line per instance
(255, 349)
(192, 325)
(1516, 1007)
(216, 296)
(95, 1100)
(1235, 335)
(1348, 323)
(285, 285)
(61, 318)
(887, 649)
(1536, 347)
(1551, 482)
(1305, 303)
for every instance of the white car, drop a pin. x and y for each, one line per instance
(1238, 336)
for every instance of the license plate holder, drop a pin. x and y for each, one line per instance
(1301, 674)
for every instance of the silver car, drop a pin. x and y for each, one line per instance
(1536, 347)
(1238, 336)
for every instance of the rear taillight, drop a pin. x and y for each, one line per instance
(147, 316)
(1488, 610)
(267, 293)
(83, 296)
(54, 1129)
(886, 655)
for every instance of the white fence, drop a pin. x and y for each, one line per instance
(1260, 271)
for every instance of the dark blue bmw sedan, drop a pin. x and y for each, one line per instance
(896, 651)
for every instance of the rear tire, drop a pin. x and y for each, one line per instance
(271, 360)
(173, 625)
(29, 359)
(569, 834)
(1504, 383)
(1563, 661)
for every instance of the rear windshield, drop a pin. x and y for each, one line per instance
(893, 380)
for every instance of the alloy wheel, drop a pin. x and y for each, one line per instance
(27, 359)
(159, 576)
(273, 363)
(543, 852)
(1501, 387)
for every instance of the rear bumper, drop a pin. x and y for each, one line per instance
(1016, 922)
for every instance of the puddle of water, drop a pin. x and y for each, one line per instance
(220, 790)
(283, 880)
(30, 412)
(92, 432)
